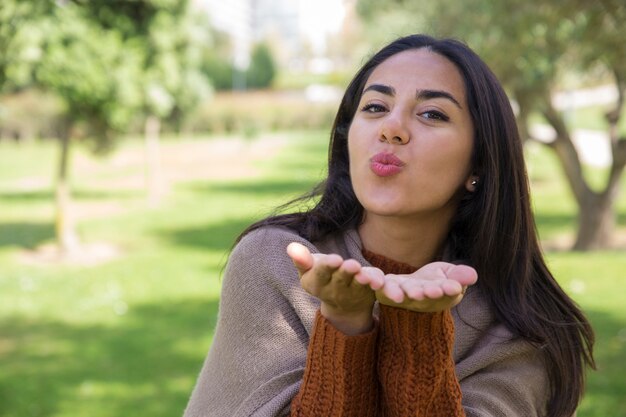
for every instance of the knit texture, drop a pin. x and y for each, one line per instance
(339, 378)
(259, 352)
(415, 365)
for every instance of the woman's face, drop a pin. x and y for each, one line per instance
(411, 139)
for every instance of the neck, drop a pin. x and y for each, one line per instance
(408, 240)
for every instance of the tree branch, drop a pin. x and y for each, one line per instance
(613, 116)
(566, 152)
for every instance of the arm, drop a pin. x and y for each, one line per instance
(258, 353)
(257, 360)
(340, 375)
(339, 379)
(498, 376)
(497, 373)
(415, 364)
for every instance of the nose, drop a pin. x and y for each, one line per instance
(393, 131)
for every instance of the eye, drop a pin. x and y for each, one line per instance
(373, 108)
(434, 115)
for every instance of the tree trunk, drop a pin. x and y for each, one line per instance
(596, 222)
(596, 211)
(67, 239)
(152, 130)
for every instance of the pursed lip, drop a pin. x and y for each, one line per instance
(386, 164)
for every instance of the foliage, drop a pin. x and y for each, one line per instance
(172, 39)
(128, 336)
(218, 66)
(220, 71)
(19, 40)
(530, 45)
(262, 67)
(88, 67)
(91, 69)
(217, 61)
(108, 61)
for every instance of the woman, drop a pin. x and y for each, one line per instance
(415, 286)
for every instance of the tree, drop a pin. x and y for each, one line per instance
(109, 62)
(530, 45)
(50, 45)
(262, 68)
(173, 39)
(217, 62)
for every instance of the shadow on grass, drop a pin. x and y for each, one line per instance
(29, 196)
(221, 236)
(217, 237)
(48, 195)
(144, 364)
(25, 235)
(268, 187)
(555, 222)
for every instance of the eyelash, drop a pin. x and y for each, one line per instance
(434, 115)
(373, 108)
(437, 115)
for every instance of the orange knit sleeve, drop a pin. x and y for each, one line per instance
(340, 374)
(416, 366)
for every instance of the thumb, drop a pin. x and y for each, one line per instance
(301, 257)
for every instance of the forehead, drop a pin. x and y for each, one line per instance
(419, 69)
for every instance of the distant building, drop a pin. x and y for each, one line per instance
(233, 17)
(296, 29)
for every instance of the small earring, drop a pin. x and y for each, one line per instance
(474, 182)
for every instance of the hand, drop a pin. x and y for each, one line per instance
(436, 286)
(345, 288)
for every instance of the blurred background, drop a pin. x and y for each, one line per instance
(139, 138)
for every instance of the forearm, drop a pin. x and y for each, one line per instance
(340, 374)
(415, 364)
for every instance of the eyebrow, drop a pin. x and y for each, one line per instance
(419, 94)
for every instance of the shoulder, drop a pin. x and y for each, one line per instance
(266, 246)
(260, 276)
(260, 259)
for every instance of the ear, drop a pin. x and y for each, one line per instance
(471, 183)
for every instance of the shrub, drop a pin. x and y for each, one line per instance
(251, 112)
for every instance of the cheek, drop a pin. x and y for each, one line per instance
(356, 148)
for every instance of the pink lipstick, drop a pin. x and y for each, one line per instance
(386, 164)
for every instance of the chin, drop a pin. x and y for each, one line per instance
(383, 210)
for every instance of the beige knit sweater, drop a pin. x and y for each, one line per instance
(259, 353)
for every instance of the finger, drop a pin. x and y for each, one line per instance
(350, 267)
(345, 274)
(463, 274)
(413, 290)
(392, 290)
(371, 276)
(433, 291)
(451, 288)
(324, 266)
(301, 257)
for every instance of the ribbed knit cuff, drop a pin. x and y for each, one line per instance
(340, 374)
(416, 369)
(402, 326)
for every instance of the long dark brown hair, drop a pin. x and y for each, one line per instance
(493, 230)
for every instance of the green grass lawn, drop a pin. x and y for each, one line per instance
(128, 336)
